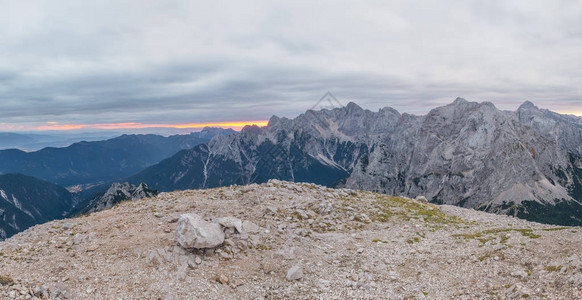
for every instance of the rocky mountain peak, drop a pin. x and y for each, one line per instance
(353, 107)
(117, 193)
(143, 191)
(210, 132)
(273, 121)
(527, 105)
(250, 129)
(460, 101)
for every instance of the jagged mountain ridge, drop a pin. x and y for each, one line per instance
(101, 161)
(116, 193)
(465, 153)
(26, 201)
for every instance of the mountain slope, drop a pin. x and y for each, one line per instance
(26, 201)
(242, 161)
(466, 153)
(93, 162)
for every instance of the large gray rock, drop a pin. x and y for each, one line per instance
(250, 227)
(230, 222)
(295, 273)
(195, 233)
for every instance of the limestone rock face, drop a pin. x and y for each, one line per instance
(526, 163)
(193, 232)
(116, 193)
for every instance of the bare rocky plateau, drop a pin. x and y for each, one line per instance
(298, 241)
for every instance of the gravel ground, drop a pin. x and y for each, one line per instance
(340, 243)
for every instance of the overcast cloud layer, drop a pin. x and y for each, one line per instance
(205, 61)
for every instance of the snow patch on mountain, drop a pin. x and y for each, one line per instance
(3, 194)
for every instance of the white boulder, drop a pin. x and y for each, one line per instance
(194, 232)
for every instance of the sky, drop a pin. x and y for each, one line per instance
(69, 64)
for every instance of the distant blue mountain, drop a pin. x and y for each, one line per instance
(26, 201)
(86, 163)
(33, 142)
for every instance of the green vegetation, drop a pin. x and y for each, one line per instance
(263, 247)
(492, 254)
(555, 228)
(6, 280)
(406, 209)
(490, 234)
(553, 268)
(559, 214)
(528, 233)
(413, 240)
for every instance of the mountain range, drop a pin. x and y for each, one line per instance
(87, 163)
(88, 169)
(37, 141)
(526, 163)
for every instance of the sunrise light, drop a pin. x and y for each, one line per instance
(570, 112)
(237, 125)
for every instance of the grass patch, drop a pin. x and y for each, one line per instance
(379, 241)
(263, 247)
(528, 233)
(553, 268)
(413, 240)
(555, 228)
(389, 207)
(6, 280)
(492, 254)
(504, 239)
(489, 234)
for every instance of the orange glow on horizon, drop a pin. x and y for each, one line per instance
(570, 112)
(133, 125)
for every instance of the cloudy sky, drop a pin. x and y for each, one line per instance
(70, 62)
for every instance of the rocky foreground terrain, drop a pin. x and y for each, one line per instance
(294, 241)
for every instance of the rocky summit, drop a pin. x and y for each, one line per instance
(283, 240)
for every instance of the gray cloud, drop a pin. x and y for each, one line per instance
(189, 61)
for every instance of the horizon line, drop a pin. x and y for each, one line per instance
(55, 126)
